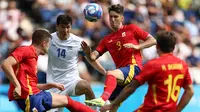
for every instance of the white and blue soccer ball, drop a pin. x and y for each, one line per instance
(93, 12)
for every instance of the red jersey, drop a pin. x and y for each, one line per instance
(114, 44)
(26, 71)
(165, 76)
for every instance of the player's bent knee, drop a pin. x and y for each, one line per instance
(59, 100)
(116, 73)
(84, 86)
(111, 73)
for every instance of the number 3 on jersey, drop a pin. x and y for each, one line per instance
(61, 52)
(119, 45)
(172, 87)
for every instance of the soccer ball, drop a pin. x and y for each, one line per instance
(93, 12)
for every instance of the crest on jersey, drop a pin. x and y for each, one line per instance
(70, 47)
(123, 34)
(110, 41)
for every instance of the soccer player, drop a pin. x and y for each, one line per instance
(21, 69)
(124, 46)
(165, 76)
(63, 58)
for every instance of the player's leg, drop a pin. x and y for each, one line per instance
(58, 92)
(112, 78)
(83, 87)
(44, 101)
(119, 78)
(122, 76)
(110, 84)
(129, 72)
(71, 90)
(36, 103)
(65, 101)
(114, 109)
(114, 95)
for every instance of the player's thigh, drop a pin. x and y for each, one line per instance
(82, 87)
(58, 100)
(36, 103)
(117, 73)
(129, 72)
(70, 87)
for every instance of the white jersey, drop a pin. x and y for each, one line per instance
(63, 58)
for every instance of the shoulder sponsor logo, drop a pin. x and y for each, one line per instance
(53, 44)
(70, 47)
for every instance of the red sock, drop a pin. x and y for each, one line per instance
(75, 106)
(110, 85)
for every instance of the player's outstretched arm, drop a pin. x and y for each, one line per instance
(150, 41)
(51, 85)
(59, 100)
(92, 56)
(186, 97)
(96, 64)
(126, 92)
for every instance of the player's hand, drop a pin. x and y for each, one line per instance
(17, 92)
(86, 48)
(105, 72)
(59, 86)
(106, 107)
(130, 45)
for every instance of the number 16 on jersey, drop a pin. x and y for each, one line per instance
(173, 88)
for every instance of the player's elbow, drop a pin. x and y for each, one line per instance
(4, 65)
(189, 91)
(93, 58)
(152, 39)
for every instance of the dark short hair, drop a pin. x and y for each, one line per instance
(117, 8)
(64, 19)
(39, 36)
(166, 41)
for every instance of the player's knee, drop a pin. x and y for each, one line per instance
(85, 86)
(111, 73)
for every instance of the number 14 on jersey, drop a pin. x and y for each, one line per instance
(61, 52)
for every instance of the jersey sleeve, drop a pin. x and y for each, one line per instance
(146, 74)
(20, 53)
(101, 47)
(139, 33)
(187, 79)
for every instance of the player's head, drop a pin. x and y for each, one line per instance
(40, 38)
(166, 41)
(116, 17)
(63, 24)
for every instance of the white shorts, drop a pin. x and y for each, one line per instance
(69, 90)
(69, 85)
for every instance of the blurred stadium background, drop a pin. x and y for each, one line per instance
(19, 18)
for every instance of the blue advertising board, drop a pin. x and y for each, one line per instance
(132, 103)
